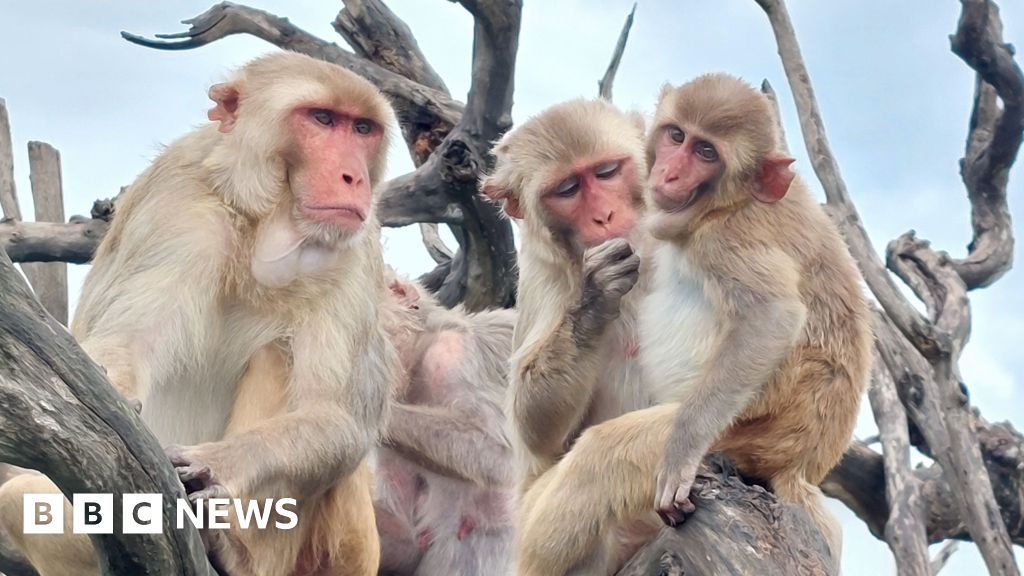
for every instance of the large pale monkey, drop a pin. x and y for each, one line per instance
(248, 252)
(444, 470)
(755, 340)
(573, 175)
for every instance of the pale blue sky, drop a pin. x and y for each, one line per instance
(894, 98)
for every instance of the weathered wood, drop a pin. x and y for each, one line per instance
(8, 192)
(50, 280)
(60, 416)
(904, 528)
(604, 85)
(737, 530)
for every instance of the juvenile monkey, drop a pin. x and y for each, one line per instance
(755, 340)
(444, 470)
(573, 175)
(247, 257)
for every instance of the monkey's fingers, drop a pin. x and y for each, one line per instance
(209, 492)
(194, 473)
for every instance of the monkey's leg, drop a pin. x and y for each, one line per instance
(343, 538)
(49, 554)
(607, 478)
(482, 551)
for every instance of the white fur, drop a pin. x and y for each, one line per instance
(677, 326)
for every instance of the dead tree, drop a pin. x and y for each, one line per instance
(974, 490)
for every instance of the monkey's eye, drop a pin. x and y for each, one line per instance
(607, 170)
(676, 134)
(325, 117)
(706, 151)
(567, 188)
(362, 126)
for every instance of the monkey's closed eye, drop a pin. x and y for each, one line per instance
(567, 188)
(607, 170)
(362, 126)
(676, 134)
(325, 117)
(705, 151)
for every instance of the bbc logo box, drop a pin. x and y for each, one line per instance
(143, 513)
(92, 514)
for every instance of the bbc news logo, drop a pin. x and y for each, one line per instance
(143, 513)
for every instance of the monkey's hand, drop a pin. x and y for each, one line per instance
(197, 477)
(609, 272)
(676, 474)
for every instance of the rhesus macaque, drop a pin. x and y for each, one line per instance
(755, 339)
(573, 175)
(247, 257)
(444, 470)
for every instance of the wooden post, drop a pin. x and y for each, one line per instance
(49, 280)
(8, 196)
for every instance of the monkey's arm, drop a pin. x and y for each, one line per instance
(554, 381)
(457, 443)
(762, 318)
(335, 402)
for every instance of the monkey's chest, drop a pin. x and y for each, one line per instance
(677, 328)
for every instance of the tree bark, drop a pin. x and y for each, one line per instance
(59, 415)
(737, 530)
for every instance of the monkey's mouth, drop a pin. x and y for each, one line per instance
(673, 205)
(334, 213)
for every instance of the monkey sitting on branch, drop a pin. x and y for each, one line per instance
(246, 258)
(754, 336)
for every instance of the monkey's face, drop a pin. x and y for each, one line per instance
(330, 169)
(595, 200)
(685, 171)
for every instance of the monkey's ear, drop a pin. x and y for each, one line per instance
(406, 293)
(226, 110)
(775, 177)
(496, 190)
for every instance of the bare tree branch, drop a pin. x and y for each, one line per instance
(943, 555)
(904, 528)
(414, 102)
(993, 143)
(926, 373)
(64, 419)
(767, 90)
(844, 213)
(435, 246)
(858, 481)
(605, 84)
(8, 195)
(374, 32)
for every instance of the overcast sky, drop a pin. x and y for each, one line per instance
(894, 98)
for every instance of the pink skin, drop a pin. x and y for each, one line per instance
(333, 180)
(600, 206)
(681, 167)
(679, 171)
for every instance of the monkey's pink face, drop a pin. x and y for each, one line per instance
(685, 167)
(331, 179)
(597, 199)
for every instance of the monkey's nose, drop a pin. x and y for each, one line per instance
(605, 220)
(350, 179)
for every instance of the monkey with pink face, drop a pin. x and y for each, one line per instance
(238, 295)
(753, 335)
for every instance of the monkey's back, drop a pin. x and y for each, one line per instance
(809, 408)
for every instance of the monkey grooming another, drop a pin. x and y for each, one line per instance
(755, 340)
(444, 470)
(247, 257)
